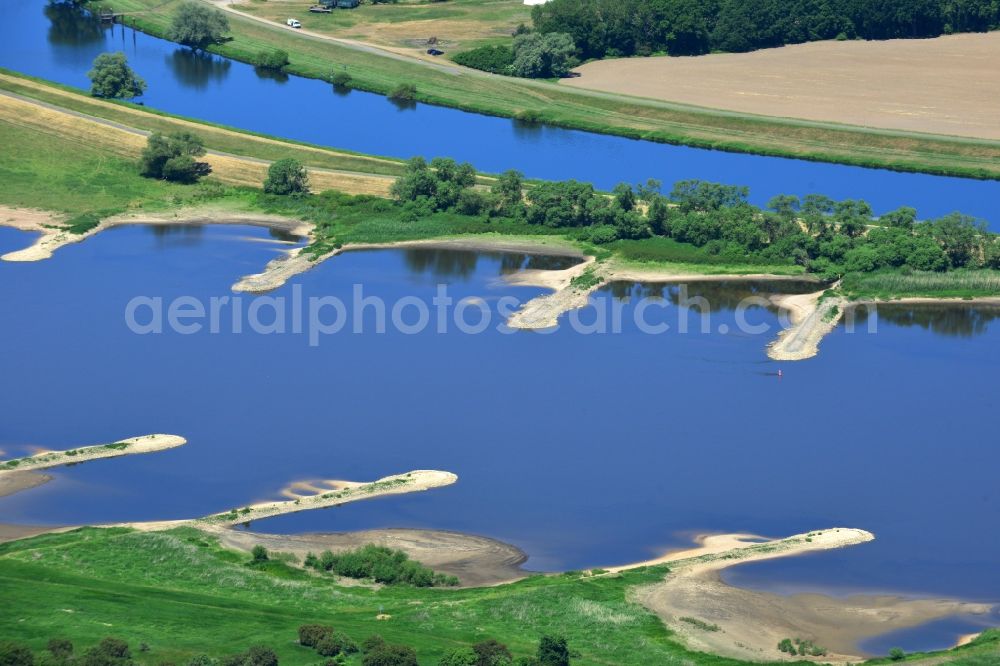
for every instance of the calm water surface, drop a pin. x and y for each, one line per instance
(53, 43)
(581, 449)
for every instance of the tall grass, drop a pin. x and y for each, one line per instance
(953, 284)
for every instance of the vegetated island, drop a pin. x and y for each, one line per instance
(328, 48)
(695, 231)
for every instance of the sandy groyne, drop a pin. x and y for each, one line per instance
(812, 316)
(344, 493)
(122, 447)
(712, 616)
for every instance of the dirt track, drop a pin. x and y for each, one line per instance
(948, 85)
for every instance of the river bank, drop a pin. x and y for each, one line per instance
(376, 70)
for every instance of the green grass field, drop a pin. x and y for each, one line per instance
(592, 111)
(182, 595)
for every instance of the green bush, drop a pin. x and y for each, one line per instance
(335, 643)
(15, 654)
(311, 634)
(897, 654)
(287, 177)
(341, 79)
(498, 59)
(275, 60)
(404, 92)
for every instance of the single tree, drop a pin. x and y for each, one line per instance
(171, 157)
(259, 553)
(112, 78)
(60, 648)
(491, 653)
(553, 651)
(459, 657)
(287, 176)
(197, 25)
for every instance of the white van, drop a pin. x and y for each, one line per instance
(293, 23)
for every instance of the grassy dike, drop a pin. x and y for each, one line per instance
(375, 70)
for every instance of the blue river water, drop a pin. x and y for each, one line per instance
(582, 449)
(53, 43)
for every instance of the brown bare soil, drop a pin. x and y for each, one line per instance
(948, 85)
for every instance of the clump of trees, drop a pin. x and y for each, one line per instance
(326, 640)
(112, 78)
(827, 237)
(601, 28)
(173, 157)
(198, 26)
(380, 564)
(532, 55)
(379, 653)
(287, 177)
(547, 55)
(801, 647)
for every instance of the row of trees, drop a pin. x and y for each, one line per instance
(826, 236)
(552, 651)
(602, 28)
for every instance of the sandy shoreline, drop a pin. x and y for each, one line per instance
(750, 624)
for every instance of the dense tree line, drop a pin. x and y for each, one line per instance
(333, 645)
(602, 28)
(825, 236)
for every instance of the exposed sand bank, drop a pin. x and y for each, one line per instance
(750, 624)
(122, 447)
(476, 561)
(344, 493)
(812, 318)
(15, 482)
(903, 84)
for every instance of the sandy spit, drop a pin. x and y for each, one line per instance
(750, 624)
(133, 446)
(348, 491)
(15, 482)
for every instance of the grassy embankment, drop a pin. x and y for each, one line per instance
(183, 595)
(57, 161)
(548, 102)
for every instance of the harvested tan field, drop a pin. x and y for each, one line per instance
(948, 85)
